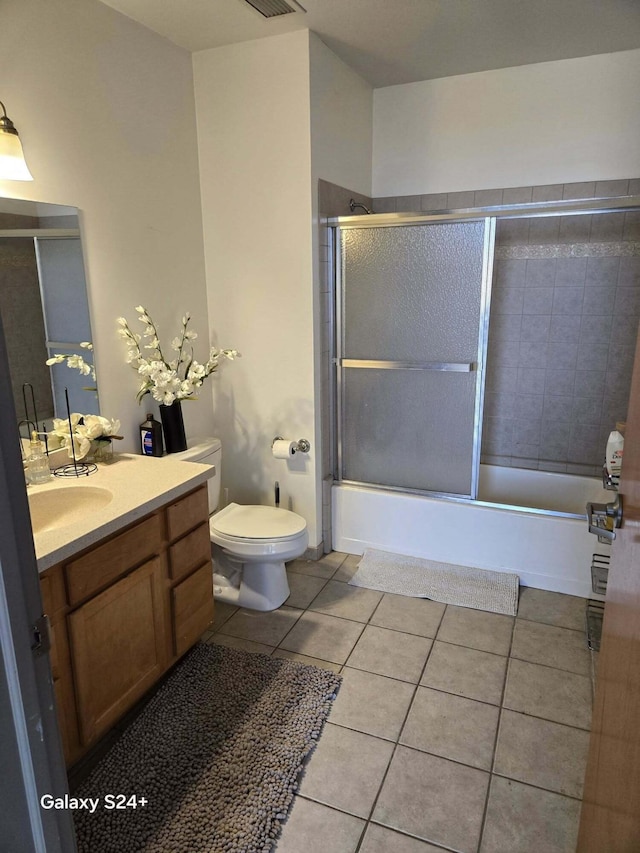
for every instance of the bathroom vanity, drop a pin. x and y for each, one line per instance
(127, 592)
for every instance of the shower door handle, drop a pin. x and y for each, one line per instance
(604, 518)
(373, 364)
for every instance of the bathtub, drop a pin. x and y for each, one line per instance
(532, 523)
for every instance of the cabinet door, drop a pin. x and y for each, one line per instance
(63, 687)
(118, 648)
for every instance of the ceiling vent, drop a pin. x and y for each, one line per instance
(274, 8)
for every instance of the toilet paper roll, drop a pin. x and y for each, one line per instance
(283, 449)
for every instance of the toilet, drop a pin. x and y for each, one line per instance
(249, 544)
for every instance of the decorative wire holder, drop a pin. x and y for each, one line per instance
(75, 468)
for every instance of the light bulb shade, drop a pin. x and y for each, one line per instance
(12, 163)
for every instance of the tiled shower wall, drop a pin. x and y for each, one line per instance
(563, 325)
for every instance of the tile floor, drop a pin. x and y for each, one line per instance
(454, 729)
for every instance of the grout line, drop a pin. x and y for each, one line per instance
(495, 744)
(401, 729)
(551, 624)
(548, 666)
(537, 787)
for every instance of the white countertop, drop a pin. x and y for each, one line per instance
(139, 484)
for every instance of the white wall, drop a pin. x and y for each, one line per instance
(274, 116)
(341, 121)
(106, 114)
(555, 122)
(252, 102)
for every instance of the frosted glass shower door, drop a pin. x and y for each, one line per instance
(412, 305)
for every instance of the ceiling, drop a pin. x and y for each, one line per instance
(401, 41)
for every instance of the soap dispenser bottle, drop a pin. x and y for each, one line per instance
(151, 437)
(37, 470)
(615, 449)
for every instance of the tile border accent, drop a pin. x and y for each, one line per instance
(568, 250)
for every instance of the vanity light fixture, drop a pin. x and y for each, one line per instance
(12, 163)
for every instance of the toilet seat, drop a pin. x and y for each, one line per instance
(251, 524)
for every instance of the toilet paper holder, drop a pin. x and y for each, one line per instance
(302, 445)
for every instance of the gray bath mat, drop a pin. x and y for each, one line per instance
(216, 754)
(420, 578)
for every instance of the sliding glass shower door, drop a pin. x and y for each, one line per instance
(412, 303)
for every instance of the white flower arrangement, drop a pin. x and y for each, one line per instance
(75, 361)
(84, 431)
(168, 381)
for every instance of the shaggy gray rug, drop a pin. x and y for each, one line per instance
(480, 589)
(216, 753)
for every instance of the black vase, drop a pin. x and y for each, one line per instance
(173, 428)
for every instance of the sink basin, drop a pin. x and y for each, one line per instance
(65, 506)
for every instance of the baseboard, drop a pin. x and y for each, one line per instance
(314, 552)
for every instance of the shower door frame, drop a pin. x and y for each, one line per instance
(492, 214)
(477, 367)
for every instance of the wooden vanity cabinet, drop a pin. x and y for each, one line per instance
(123, 612)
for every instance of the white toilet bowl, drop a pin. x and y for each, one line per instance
(250, 544)
(255, 541)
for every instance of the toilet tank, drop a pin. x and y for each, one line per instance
(205, 451)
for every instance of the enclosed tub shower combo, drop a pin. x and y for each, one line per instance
(419, 314)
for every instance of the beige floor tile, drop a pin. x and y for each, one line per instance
(378, 839)
(552, 608)
(304, 589)
(334, 558)
(318, 829)
(453, 727)
(322, 636)
(391, 653)
(322, 664)
(435, 799)
(411, 615)
(541, 753)
(325, 567)
(346, 770)
(553, 694)
(240, 643)
(348, 569)
(268, 628)
(348, 602)
(221, 612)
(466, 672)
(521, 819)
(476, 629)
(371, 703)
(551, 646)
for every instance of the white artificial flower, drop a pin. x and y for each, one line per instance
(83, 430)
(79, 363)
(167, 381)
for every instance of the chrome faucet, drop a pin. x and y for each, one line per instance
(604, 518)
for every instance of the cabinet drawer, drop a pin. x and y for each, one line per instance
(106, 562)
(192, 606)
(189, 552)
(186, 513)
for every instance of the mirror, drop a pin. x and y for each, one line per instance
(44, 309)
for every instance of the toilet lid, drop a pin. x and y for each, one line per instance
(258, 522)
